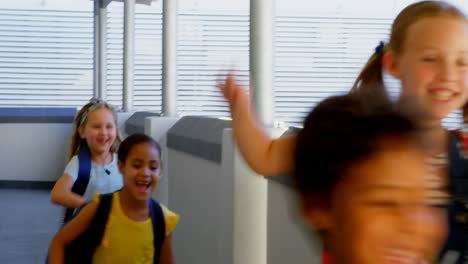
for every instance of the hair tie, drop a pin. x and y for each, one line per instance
(380, 47)
(95, 104)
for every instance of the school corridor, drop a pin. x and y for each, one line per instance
(27, 223)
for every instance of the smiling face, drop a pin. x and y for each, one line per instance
(433, 64)
(385, 211)
(100, 130)
(141, 170)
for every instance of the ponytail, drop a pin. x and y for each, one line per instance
(370, 80)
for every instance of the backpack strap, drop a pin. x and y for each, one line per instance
(459, 166)
(84, 171)
(98, 225)
(82, 249)
(456, 247)
(159, 228)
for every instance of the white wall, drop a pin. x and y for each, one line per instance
(157, 128)
(122, 117)
(204, 199)
(33, 151)
(250, 206)
(288, 239)
(37, 151)
(222, 208)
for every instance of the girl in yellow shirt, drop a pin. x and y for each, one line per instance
(128, 235)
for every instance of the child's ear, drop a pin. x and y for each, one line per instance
(317, 214)
(160, 171)
(390, 64)
(159, 174)
(81, 132)
(318, 218)
(120, 164)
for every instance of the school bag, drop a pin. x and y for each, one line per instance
(456, 248)
(82, 249)
(81, 182)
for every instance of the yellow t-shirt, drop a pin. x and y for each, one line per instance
(128, 241)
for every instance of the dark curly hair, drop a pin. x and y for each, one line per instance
(343, 130)
(133, 140)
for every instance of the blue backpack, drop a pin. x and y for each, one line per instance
(81, 183)
(82, 249)
(456, 248)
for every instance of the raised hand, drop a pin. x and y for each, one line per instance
(231, 89)
(264, 155)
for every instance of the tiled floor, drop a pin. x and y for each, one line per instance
(28, 220)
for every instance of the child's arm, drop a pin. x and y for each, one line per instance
(70, 232)
(166, 255)
(61, 194)
(264, 155)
